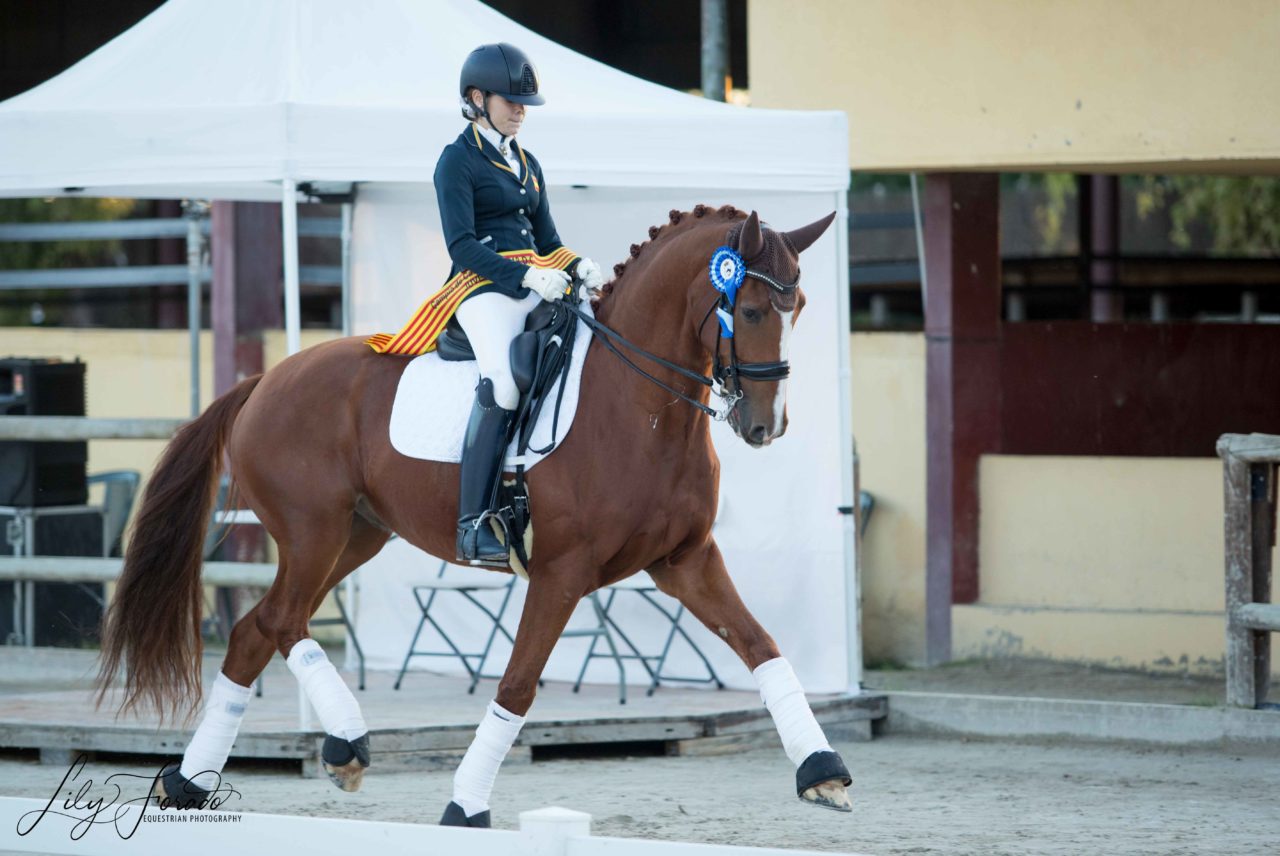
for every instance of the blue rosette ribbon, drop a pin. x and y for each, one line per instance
(727, 272)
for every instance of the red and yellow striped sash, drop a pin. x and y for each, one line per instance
(419, 335)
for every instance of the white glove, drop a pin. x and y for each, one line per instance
(589, 273)
(549, 284)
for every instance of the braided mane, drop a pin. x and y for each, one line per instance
(678, 221)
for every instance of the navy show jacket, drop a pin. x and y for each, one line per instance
(485, 208)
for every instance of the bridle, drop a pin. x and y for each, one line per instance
(727, 273)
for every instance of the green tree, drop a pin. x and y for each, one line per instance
(1241, 214)
(39, 255)
(44, 255)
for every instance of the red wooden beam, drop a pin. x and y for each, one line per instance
(962, 333)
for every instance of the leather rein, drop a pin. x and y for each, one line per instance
(722, 375)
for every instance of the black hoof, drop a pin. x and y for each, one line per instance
(455, 816)
(822, 780)
(345, 760)
(339, 752)
(177, 789)
(821, 767)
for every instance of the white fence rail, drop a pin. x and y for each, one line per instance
(75, 569)
(543, 832)
(85, 428)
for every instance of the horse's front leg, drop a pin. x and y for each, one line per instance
(702, 584)
(547, 606)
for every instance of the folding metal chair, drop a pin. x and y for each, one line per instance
(119, 489)
(425, 594)
(643, 586)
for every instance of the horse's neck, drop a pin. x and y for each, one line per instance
(655, 319)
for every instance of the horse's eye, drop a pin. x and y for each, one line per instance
(751, 315)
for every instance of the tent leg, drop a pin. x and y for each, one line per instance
(194, 210)
(292, 290)
(346, 268)
(852, 582)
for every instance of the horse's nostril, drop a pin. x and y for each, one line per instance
(758, 433)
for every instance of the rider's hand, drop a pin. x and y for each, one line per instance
(549, 284)
(589, 272)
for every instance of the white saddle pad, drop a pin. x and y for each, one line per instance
(433, 403)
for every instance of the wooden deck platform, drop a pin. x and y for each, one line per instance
(428, 723)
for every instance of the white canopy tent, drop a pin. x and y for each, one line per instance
(245, 99)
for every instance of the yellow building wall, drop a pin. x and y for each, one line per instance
(1104, 560)
(140, 373)
(1117, 85)
(888, 375)
(1107, 560)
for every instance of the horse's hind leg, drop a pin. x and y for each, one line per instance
(248, 652)
(702, 584)
(309, 566)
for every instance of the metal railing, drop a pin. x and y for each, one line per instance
(195, 227)
(140, 276)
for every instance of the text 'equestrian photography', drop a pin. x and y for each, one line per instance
(526, 429)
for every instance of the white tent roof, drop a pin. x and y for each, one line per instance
(226, 99)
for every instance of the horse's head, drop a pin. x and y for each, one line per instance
(751, 350)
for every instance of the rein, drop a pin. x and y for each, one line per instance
(727, 272)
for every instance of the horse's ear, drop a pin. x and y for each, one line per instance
(804, 236)
(750, 239)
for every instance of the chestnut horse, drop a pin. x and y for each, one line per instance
(309, 452)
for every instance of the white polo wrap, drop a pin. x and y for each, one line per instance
(211, 744)
(782, 694)
(335, 705)
(473, 782)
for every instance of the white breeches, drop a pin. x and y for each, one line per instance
(491, 320)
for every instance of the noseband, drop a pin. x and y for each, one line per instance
(727, 273)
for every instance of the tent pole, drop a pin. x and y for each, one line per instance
(346, 268)
(852, 583)
(194, 211)
(349, 585)
(292, 292)
(915, 213)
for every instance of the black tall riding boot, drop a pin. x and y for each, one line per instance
(483, 450)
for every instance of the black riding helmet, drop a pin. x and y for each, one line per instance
(502, 68)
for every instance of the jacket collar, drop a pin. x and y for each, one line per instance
(480, 142)
(495, 139)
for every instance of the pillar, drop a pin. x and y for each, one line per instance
(962, 406)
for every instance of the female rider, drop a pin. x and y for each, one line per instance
(493, 198)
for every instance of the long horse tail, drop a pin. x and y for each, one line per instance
(153, 623)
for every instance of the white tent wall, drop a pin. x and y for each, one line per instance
(778, 525)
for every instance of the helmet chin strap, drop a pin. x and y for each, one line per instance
(484, 111)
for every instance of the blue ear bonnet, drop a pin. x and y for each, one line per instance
(727, 272)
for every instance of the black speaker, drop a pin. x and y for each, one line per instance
(66, 614)
(42, 473)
